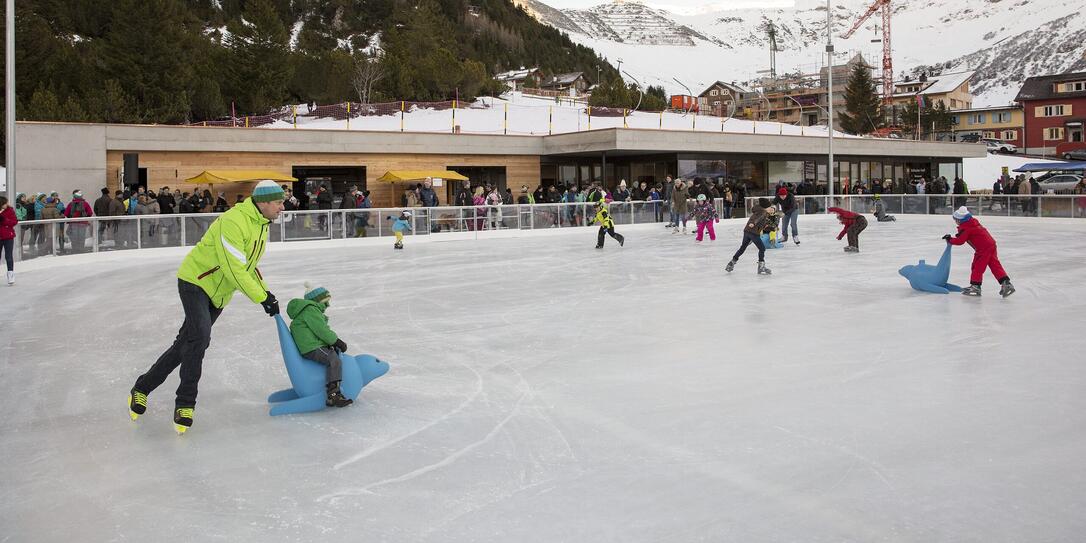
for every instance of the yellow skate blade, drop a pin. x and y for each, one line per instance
(132, 413)
(180, 429)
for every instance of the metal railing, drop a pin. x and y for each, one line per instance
(60, 237)
(1002, 205)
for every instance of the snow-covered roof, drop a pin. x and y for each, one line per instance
(938, 84)
(563, 79)
(729, 86)
(516, 75)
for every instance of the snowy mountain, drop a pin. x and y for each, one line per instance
(1005, 41)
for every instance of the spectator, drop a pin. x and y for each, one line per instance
(494, 200)
(462, 199)
(655, 196)
(77, 231)
(21, 207)
(8, 220)
(507, 197)
(324, 203)
(427, 196)
(537, 196)
(362, 220)
(622, 194)
(166, 202)
(479, 201)
(49, 211)
(1024, 189)
(960, 189)
(729, 201)
(221, 205)
(184, 205)
(101, 209)
(176, 199)
(640, 192)
(1080, 202)
(525, 197)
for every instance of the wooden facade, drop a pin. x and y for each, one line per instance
(171, 168)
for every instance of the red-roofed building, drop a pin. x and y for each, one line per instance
(1055, 112)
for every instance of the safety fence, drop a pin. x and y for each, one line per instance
(60, 237)
(522, 115)
(1046, 205)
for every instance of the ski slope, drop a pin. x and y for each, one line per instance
(545, 391)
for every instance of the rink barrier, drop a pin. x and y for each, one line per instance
(59, 237)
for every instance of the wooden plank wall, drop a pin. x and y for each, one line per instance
(171, 168)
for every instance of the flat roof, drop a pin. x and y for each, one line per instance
(38, 140)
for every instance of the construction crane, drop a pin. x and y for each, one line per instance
(887, 62)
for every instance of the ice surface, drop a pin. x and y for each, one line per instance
(541, 390)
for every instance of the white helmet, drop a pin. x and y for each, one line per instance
(406, 212)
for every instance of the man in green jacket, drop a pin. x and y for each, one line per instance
(224, 261)
(316, 340)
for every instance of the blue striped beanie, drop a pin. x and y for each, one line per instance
(267, 191)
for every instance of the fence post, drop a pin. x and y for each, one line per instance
(348, 117)
(294, 115)
(246, 124)
(96, 227)
(505, 120)
(624, 125)
(283, 228)
(550, 119)
(590, 117)
(694, 122)
(184, 234)
(329, 223)
(401, 127)
(453, 129)
(344, 225)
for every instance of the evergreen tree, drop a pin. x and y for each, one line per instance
(863, 111)
(262, 69)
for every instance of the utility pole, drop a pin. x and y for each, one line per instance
(829, 94)
(9, 96)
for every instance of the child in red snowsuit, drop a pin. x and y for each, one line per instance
(854, 224)
(970, 231)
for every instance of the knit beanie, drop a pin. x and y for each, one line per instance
(319, 294)
(267, 191)
(962, 214)
(782, 192)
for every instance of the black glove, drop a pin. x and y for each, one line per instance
(270, 305)
(340, 346)
(947, 237)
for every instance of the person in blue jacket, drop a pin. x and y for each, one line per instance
(401, 223)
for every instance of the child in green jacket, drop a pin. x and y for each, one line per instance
(316, 341)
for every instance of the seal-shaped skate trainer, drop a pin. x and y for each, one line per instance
(930, 278)
(308, 377)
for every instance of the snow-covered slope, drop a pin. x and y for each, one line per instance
(1005, 41)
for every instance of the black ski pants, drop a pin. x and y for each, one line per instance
(188, 347)
(610, 230)
(749, 238)
(328, 357)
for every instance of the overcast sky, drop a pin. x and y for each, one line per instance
(681, 5)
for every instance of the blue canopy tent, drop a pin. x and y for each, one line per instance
(1052, 167)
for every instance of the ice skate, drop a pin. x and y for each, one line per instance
(599, 246)
(398, 245)
(972, 290)
(675, 230)
(795, 239)
(137, 404)
(684, 230)
(730, 266)
(11, 278)
(851, 249)
(1007, 289)
(762, 270)
(182, 419)
(621, 241)
(335, 396)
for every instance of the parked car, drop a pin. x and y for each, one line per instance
(1061, 182)
(996, 146)
(1075, 154)
(1065, 148)
(970, 138)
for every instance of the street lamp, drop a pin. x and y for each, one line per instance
(829, 95)
(9, 95)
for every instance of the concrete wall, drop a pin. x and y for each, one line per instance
(63, 160)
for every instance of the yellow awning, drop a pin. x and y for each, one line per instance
(238, 176)
(399, 176)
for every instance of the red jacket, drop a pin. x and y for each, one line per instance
(82, 206)
(8, 221)
(975, 235)
(846, 217)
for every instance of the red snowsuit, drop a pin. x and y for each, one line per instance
(970, 231)
(846, 217)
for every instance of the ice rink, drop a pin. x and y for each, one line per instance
(544, 391)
